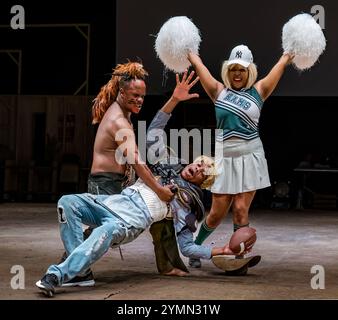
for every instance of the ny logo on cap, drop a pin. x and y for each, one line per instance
(239, 54)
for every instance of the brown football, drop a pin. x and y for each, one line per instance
(242, 240)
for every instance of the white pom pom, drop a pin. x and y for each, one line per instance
(175, 39)
(303, 37)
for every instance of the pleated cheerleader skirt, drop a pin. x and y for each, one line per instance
(240, 166)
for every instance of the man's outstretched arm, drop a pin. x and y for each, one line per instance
(156, 139)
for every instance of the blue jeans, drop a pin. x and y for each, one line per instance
(110, 229)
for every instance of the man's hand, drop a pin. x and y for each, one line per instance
(165, 194)
(181, 92)
(228, 251)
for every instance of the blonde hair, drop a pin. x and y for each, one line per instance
(210, 172)
(122, 75)
(252, 68)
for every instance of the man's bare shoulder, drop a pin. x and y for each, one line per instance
(122, 121)
(116, 119)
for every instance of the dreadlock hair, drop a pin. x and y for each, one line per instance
(122, 74)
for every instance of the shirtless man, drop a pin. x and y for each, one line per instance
(122, 96)
(113, 170)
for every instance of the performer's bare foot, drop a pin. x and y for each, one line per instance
(176, 272)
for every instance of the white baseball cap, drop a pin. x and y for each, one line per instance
(240, 55)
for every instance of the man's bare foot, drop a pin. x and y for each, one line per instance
(176, 272)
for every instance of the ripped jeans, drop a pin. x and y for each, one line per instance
(110, 229)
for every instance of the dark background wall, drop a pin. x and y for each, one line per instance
(54, 58)
(300, 117)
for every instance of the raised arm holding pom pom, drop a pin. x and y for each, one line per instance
(268, 84)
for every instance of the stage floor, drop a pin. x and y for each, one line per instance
(291, 244)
